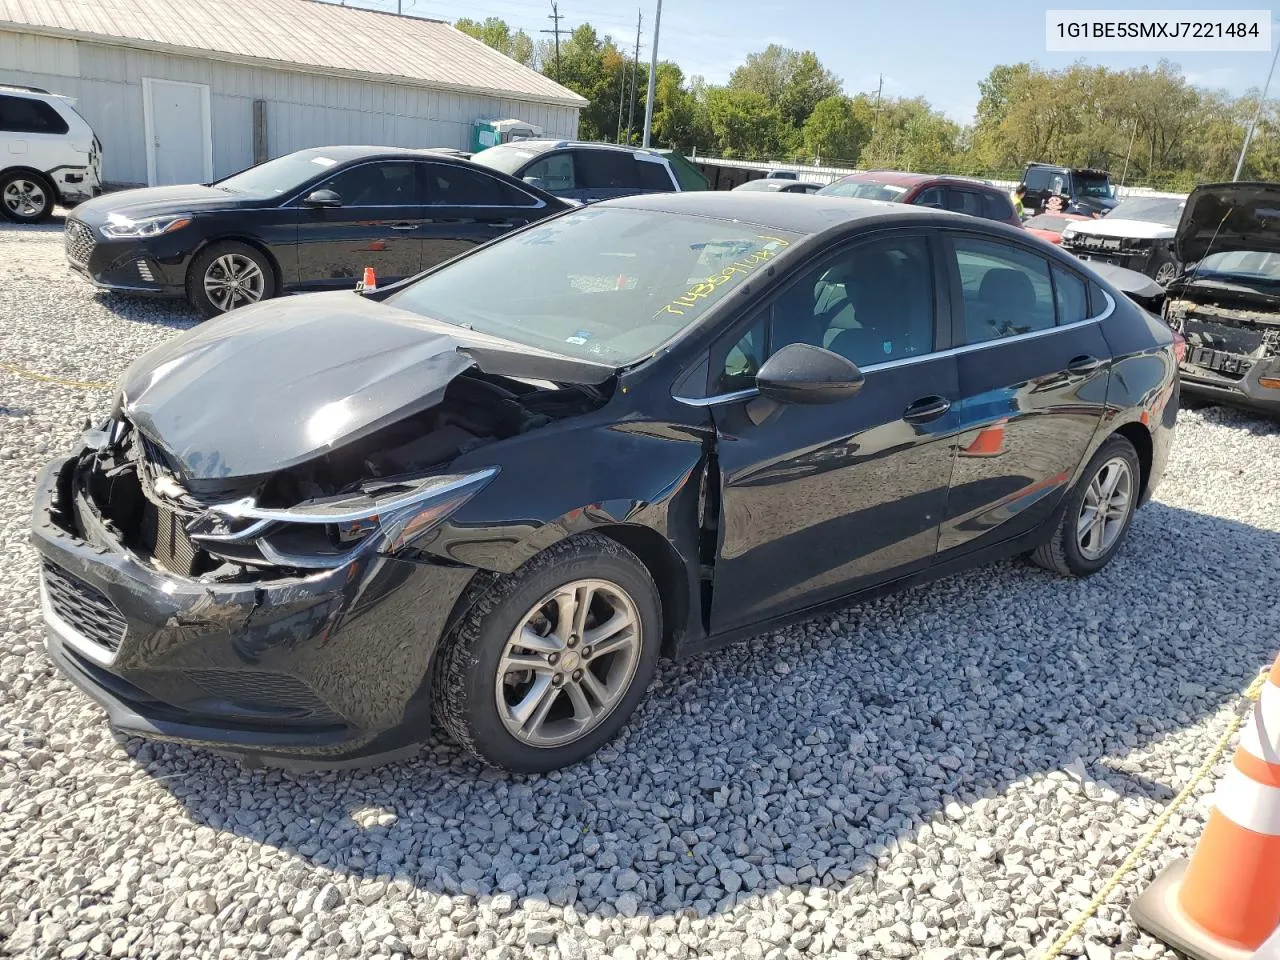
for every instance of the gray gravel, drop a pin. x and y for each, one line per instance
(947, 773)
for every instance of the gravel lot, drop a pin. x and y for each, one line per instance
(951, 772)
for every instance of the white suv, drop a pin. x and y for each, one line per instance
(48, 154)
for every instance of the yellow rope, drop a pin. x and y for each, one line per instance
(1251, 694)
(46, 378)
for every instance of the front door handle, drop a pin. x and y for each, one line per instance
(926, 409)
(1083, 365)
(404, 226)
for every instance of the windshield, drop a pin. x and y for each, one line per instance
(609, 284)
(1093, 185)
(278, 176)
(1241, 265)
(505, 158)
(863, 190)
(1166, 212)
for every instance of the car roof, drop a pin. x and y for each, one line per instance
(900, 178)
(803, 214)
(35, 93)
(543, 144)
(344, 153)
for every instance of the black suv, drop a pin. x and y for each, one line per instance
(585, 171)
(1088, 191)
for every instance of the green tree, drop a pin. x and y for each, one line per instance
(794, 81)
(496, 33)
(746, 125)
(838, 128)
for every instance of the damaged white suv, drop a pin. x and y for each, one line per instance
(48, 154)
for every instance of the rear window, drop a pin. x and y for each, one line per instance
(23, 115)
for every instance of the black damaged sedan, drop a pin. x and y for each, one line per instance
(493, 496)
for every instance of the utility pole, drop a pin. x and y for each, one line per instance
(875, 125)
(554, 16)
(635, 78)
(622, 94)
(1253, 124)
(653, 77)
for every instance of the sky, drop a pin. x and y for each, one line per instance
(938, 49)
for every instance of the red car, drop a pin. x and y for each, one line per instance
(961, 194)
(1049, 226)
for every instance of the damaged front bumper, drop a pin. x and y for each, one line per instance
(327, 667)
(1232, 356)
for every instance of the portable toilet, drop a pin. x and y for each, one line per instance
(490, 133)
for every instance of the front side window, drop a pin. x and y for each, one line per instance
(23, 115)
(931, 197)
(376, 185)
(871, 303)
(1007, 290)
(600, 283)
(554, 173)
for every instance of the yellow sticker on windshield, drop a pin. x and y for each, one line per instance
(738, 268)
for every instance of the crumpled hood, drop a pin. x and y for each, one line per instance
(1227, 218)
(1120, 227)
(273, 385)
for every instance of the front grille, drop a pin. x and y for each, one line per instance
(260, 690)
(79, 242)
(83, 608)
(163, 535)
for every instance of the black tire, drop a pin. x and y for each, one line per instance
(1062, 553)
(42, 189)
(211, 258)
(464, 688)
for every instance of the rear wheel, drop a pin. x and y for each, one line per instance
(1098, 513)
(26, 197)
(1165, 270)
(227, 275)
(549, 662)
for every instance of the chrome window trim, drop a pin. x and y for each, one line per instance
(736, 395)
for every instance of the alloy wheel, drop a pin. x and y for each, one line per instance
(1108, 501)
(24, 198)
(569, 663)
(234, 280)
(1165, 273)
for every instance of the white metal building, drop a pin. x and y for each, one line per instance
(184, 91)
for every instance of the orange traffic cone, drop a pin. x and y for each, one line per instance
(1225, 903)
(988, 443)
(370, 282)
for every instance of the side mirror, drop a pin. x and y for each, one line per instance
(323, 198)
(801, 373)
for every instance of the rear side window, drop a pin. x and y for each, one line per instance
(459, 186)
(653, 176)
(1007, 290)
(607, 169)
(996, 206)
(964, 201)
(22, 115)
(1069, 295)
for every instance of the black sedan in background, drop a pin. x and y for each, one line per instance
(311, 220)
(312, 525)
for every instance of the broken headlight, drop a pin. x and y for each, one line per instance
(322, 534)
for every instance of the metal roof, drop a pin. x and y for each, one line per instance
(299, 35)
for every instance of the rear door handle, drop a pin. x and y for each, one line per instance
(926, 409)
(1082, 365)
(404, 226)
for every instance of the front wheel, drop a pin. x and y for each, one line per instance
(549, 662)
(227, 275)
(1098, 512)
(25, 197)
(1165, 271)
